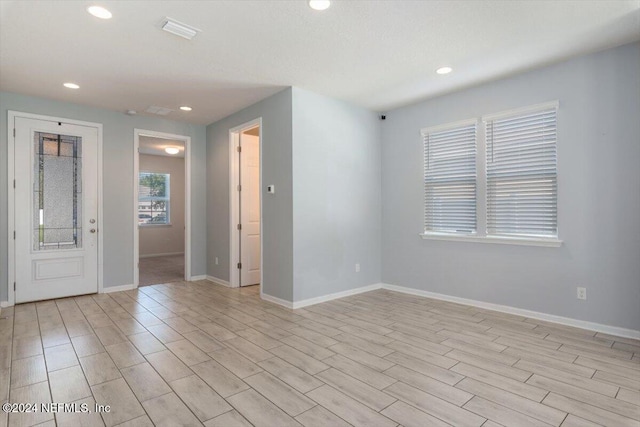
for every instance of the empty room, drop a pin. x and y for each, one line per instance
(320, 213)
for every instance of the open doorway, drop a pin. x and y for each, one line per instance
(246, 205)
(161, 208)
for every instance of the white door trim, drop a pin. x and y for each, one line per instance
(11, 173)
(137, 133)
(234, 133)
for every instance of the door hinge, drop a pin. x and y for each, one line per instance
(239, 265)
(239, 226)
(14, 235)
(239, 187)
(14, 183)
(14, 132)
(14, 286)
(239, 148)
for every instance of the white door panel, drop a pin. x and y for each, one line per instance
(250, 210)
(56, 208)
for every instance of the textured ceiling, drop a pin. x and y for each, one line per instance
(378, 54)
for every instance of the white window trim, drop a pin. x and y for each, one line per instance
(481, 186)
(521, 110)
(522, 241)
(447, 126)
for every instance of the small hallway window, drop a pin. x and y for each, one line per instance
(154, 198)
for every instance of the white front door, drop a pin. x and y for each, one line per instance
(56, 209)
(250, 210)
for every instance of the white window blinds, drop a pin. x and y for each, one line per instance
(450, 178)
(521, 174)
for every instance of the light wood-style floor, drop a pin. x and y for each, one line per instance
(192, 353)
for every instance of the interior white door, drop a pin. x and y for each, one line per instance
(250, 210)
(56, 209)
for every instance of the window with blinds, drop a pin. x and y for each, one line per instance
(522, 186)
(450, 178)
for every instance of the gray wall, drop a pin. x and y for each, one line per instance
(118, 181)
(277, 209)
(598, 200)
(336, 196)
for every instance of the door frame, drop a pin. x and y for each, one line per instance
(11, 175)
(234, 139)
(137, 133)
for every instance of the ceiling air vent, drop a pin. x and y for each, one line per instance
(161, 111)
(179, 29)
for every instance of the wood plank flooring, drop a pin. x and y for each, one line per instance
(198, 353)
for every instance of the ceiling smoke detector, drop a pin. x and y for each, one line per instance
(179, 29)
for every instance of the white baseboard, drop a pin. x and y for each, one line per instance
(279, 301)
(218, 281)
(320, 299)
(5, 304)
(165, 254)
(196, 278)
(337, 295)
(583, 324)
(118, 288)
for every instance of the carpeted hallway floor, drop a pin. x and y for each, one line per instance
(161, 269)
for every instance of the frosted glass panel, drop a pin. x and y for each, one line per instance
(57, 193)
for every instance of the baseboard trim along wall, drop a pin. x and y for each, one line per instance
(567, 321)
(337, 295)
(199, 277)
(275, 300)
(218, 281)
(157, 255)
(583, 324)
(321, 299)
(4, 304)
(118, 288)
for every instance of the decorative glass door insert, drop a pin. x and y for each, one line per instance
(57, 192)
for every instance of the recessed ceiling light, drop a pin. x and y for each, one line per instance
(185, 108)
(71, 86)
(99, 12)
(444, 70)
(172, 150)
(319, 4)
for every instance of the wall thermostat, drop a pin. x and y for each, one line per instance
(271, 189)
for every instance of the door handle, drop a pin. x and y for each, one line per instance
(93, 230)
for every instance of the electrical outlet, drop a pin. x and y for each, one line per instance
(216, 260)
(582, 293)
(357, 268)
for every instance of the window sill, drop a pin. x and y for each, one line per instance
(154, 225)
(523, 241)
